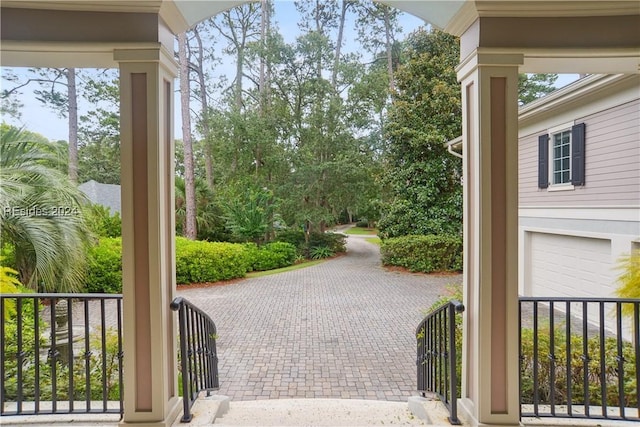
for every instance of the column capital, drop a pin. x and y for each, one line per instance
(158, 54)
(488, 58)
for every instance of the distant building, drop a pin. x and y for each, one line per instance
(107, 195)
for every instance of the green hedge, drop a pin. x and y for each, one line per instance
(423, 253)
(199, 261)
(104, 273)
(270, 256)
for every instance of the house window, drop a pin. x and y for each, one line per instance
(561, 157)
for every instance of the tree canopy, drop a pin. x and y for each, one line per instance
(423, 179)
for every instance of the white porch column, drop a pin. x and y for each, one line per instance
(148, 265)
(490, 133)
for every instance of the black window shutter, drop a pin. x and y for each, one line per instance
(543, 161)
(577, 154)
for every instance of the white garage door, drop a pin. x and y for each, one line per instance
(568, 266)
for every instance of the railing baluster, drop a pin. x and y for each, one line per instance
(54, 357)
(620, 359)
(70, 358)
(36, 335)
(603, 361)
(636, 341)
(536, 388)
(87, 357)
(585, 357)
(552, 358)
(568, 354)
(120, 356)
(19, 355)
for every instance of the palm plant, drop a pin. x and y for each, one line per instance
(41, 214)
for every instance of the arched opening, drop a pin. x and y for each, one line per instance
(498, 40)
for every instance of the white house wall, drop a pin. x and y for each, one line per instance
(589, 228)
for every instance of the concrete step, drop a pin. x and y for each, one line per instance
(219, 411)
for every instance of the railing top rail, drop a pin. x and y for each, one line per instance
(579, 299)
(179, 301)
(62, 295)
(457, 305)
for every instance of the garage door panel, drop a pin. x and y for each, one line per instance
(569, 266)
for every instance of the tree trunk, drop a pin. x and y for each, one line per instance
(388, 46)
(189, 181)
(72, 96)
(204, 102)
(336, 61)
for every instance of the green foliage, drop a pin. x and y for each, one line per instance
(557, 357)
(250, 215)
(9, 284)
(271, 256)
(41, 214)
(209, 215)
(62, 370)
(320, 252)
(362, 224)
(104, 273)
(334, 242)
(102, 222)
(629, 279)
(422, 177)
(534, 86)
(198, 261)
(423, 253)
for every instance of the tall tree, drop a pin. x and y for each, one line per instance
(190, 230)
(426, 112)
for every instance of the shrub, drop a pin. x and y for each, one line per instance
(294, 237)
(610, 374)
(102, 222)
(423, 253)
(320, 252)
(198, 261)
(271, 256)
(335, 242)
(104, 274)
(362, 224)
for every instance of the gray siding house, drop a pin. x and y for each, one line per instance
(579, 186)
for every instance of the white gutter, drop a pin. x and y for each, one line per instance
(450, 144)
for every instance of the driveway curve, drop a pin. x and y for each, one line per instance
(340, 329)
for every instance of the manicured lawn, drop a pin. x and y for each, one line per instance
(361, 230)
(284, 269)
(374, 240)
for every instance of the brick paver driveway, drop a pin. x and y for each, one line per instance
(341, 329)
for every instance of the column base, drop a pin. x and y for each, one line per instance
(172, 417)
(466, 411)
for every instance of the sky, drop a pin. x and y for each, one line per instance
(43, 120)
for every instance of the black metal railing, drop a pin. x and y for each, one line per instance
(198, 357)
(437, 360)
(60, 354)
(580, 358)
